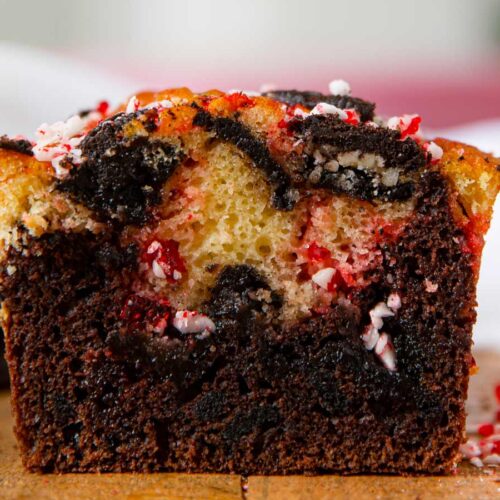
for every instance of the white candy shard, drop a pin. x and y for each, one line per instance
(133, 105)
(154, 246)
(381, 342)
(158, 270)
(408, 125)
(192, 322)
(378, 312)
(385, 351)
(323, 108)
(300, 113)
(370, 337)
(470, 449)
(323, 277)
(476, 461)
(394, 301)
(435, 151)
(493, 459)
(339, 87)
(59, 140)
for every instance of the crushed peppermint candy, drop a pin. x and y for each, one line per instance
(339, 87)
(493, 459)
(470, 449)
(380, 311)
(323, 277)
(385, 351)
(323, 108)
(370, 337)
(381, 342)
(484, 450)
(162, 257)
(192, 322)
(350, 116)
(60, 140)
(476, 461)
(408, 126)
(434, 150)
(299, 112)
(132, 105)
(394, 301)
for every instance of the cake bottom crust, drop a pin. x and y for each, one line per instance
(255, 397)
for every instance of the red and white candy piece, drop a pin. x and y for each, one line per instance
(435, 151)
(379, 312)
(164, 259)
(394, 301)
(385, 351)
(192, 322)
(381, 342)
(350, 116)
(470, 449)
(408, 125)
(132, 105)
(323, 277)
(370, 337)
(493, 459)
(56, 141)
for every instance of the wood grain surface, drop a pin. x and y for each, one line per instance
(468, 483)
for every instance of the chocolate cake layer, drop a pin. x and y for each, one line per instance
(254, 396)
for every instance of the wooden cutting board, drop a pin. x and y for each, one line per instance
(469, 482)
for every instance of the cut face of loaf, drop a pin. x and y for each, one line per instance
(222, 282)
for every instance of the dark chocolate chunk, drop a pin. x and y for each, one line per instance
(310, 99)
(19, 145)
(228, 129)
(121, 177)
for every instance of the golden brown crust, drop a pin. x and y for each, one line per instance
(474, 174)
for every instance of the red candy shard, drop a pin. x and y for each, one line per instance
(486, 430)
(352, 117)
(337, 282)
(103, 107)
